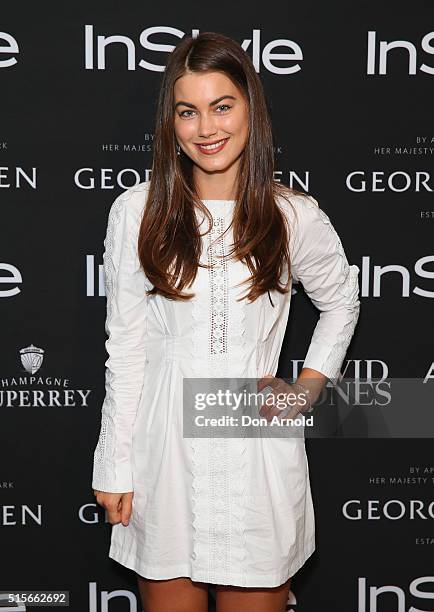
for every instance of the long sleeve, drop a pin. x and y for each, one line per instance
(320, 264)
(126, 326)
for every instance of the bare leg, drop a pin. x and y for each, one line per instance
(175, 595)
(245, 599)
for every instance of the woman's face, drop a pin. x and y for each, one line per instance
(210, 110)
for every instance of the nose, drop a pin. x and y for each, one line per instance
(207, 125)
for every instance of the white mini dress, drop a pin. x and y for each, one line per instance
(229, 510)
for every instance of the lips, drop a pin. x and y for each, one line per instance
(210, 148)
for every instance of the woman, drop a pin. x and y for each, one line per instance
(235, 512)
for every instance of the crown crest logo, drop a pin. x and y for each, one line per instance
(32, 358)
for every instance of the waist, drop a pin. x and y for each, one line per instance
(180, 347)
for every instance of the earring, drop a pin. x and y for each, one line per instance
(178, 149)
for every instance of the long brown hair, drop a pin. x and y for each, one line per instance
(169, 243)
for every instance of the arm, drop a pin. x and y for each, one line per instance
(126, 322)
(319, 262)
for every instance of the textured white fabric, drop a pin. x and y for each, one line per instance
(220, 510)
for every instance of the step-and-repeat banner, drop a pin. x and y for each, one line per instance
(350, 91)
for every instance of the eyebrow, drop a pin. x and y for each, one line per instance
(216, 101)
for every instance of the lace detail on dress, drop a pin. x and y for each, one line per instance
(218, 341)
(219, 464)
(219, 469)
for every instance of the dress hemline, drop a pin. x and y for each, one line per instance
(187, 571)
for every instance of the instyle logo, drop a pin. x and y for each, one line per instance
(285, 52)
(99, 599)
(104, 600)
(10, 48)
(371, 598)
(13, 278)
(406, 52)
(29, 390)
(373, 278)
(94, 278)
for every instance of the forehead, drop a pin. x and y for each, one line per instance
(203, 87)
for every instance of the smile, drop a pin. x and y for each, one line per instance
(214, 147)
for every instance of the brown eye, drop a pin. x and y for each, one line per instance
(183, 115)
(225, 107)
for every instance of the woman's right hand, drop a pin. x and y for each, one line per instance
(118, 506)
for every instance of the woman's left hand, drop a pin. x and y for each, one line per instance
(284, 400)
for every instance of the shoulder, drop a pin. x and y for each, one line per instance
(131, 203)
(310, 228)
(301, 209)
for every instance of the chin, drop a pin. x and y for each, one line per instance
(216, 164)
(215, 167)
